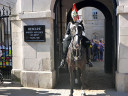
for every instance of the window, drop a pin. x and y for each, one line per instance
(95, 14)
(95, 36)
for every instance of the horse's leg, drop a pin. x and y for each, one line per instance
(82, 81)
(71, 81)
(77, 78)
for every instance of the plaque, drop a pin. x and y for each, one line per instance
(34, 33)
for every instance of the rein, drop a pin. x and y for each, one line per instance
(75, 44)
(76, 53)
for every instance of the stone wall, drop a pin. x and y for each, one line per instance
(93, 26)
(33, 62)
(122, 70)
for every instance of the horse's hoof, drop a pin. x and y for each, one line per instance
(70, 95)
(83, 94)
(90, 64)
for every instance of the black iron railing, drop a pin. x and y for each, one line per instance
(5, 42)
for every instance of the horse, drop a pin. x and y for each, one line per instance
(76, 58)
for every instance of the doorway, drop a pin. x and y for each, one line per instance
(62, 17)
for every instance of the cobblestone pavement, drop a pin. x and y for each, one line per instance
(97, 84)
(21, 91)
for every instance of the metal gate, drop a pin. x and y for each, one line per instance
(5, 42)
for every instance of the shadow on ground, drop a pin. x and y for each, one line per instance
(96, 78)
(25, 92)
(98, 83)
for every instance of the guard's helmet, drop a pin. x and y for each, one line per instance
(74, 12)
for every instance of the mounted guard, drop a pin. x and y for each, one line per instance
(67, 38)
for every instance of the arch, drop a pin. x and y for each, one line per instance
(92, 3)
(52, 6)
(110, 31)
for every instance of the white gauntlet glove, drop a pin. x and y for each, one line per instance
(65, 36)
(83, 33)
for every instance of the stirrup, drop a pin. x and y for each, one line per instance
(90, 64)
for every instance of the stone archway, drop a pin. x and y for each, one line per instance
(119, 15)
(122, 65)
(110, 32)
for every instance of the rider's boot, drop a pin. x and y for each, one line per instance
(90, 63)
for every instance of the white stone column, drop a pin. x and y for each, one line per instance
(122, 67)
(17, 49)
(37, 66)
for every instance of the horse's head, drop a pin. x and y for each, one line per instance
(76, 32)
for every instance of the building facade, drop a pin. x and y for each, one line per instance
(34, 62)
(94, 22)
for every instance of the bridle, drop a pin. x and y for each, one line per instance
(77, 46)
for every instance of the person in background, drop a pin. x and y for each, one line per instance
(95, 51)
(101, 49)
(91, 47)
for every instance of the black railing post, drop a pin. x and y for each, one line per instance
(5, 42)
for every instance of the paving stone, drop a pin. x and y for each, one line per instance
(97, 84)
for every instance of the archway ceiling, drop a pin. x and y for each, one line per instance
(68, 3)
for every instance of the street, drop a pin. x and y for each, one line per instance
(97, 84)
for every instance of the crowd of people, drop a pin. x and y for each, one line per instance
(97, 50)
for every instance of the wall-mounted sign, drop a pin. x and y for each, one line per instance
(34, 33)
